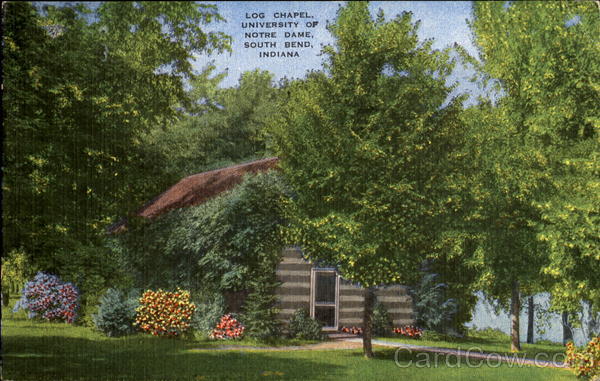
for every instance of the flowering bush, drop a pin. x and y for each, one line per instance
(163, 313)
(353, 330)
(409, 331)
(48, 297)
(227, 328)
(585, 362)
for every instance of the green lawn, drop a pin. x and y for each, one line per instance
(55, 351)
(208, 344)
(486, 341)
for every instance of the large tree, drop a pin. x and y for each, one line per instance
(80, 86)
(544, 58)
(508, 258)
(367, 145)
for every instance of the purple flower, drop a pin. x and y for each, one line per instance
(47, 296)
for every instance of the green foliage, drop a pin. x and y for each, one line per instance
(488, 333)
(15, 271)
(433, 310)
(226, 125)
(302, 326)
(260, 313)
(93, 269)
(542, 168)
(81, 86)
(368, 146)
(116, 313)
(453, 262)
(382, 323)
(210, 306)
(214, 246)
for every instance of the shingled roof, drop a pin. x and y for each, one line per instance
(197, 189)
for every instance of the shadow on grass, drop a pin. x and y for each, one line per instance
(148, 358)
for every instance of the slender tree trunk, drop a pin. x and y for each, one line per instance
(530, 319)
(567, 332)
(592, 324)
(368, 322)
(515, 310)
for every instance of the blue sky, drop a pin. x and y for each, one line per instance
(445, 22)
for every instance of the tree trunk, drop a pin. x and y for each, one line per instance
(368, 322)
(531, 316)
(515, 310)
(5, 295)
(567, 332)
(592, 324)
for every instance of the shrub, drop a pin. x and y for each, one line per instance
(209, 309)
(48, 297)
(260, 313)
(409, 331)
(116, 313)
(216, 244)
(228, 327)
(488, 333)
(163, 313)
(585, 362)
(382, 324)
(433, 310)
(302, 326)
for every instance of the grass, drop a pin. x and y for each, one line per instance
(246, 342)
(486, 341)
(56, 351)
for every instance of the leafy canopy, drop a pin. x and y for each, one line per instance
(81, 87)
(545, 59)
(225, 125)
(367, 145)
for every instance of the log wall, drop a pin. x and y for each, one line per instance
(294, 293)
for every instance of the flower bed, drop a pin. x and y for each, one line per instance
(409, 331)
(585, 362)
(353, 330)
(228, 328)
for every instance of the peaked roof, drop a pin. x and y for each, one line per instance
(197, 189)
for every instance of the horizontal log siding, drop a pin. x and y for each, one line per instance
(398, 304)
(294, 274)
(294, 293)
(351, 304)
(394, 298)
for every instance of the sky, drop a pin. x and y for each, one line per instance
(444, 21)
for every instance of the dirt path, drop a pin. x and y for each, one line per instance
(326, 345)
